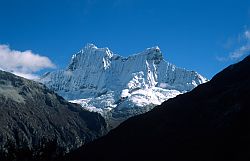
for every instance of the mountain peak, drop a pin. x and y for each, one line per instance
(90, 53)
(153, 53)
(94, 70)
(90, 46)
(103, 57)
(106, 83)
(154, 48)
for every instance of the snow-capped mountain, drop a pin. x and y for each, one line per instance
(102, 81)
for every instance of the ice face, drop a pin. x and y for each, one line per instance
(110, 81)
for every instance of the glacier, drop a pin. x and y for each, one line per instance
(119, 87)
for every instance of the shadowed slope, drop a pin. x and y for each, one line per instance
(33, 117)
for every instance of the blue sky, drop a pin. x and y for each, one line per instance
(204, 36)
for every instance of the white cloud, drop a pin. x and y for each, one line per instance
(247, 35)
(221, 59)
(23, 63)
(238, 53)
(243, 50)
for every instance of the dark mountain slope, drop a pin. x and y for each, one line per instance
(210, 123)
(37, 123)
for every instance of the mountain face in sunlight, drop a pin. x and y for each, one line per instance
(120, 87)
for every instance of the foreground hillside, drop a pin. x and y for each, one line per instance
(37, 124)
(210, 123)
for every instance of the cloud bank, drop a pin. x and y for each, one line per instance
(23, 63)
